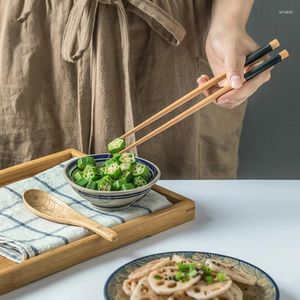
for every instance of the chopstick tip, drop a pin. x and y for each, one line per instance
(274, 44)
(284, 54)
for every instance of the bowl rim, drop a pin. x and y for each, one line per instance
(111, 193)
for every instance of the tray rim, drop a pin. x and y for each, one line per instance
(13, 273)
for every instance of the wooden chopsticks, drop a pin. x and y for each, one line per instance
(251, 58)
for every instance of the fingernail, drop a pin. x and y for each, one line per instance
(236, 81)
(201, 79)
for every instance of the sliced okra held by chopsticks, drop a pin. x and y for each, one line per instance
(116, 145)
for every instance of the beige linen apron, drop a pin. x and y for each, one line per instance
(80, 73)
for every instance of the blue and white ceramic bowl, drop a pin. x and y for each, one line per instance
(113, 200)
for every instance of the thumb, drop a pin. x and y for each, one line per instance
(234, 65)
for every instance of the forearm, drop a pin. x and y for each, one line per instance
(230, 13)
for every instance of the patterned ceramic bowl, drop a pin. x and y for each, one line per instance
(264, 289)
(113, 200)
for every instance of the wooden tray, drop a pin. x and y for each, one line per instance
(14, 275)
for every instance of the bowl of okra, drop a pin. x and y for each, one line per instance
(114, 180)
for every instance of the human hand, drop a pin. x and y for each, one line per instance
(226, 50)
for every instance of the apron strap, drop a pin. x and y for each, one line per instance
(159, 20)
(26, 10)
(80, 24)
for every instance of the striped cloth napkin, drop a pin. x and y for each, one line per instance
(24, 235)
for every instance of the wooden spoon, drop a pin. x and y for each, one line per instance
(51, 208)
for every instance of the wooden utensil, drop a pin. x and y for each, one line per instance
(256, 70)
(251, 58)
(49, 207)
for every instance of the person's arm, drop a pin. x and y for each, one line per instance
(227, 45)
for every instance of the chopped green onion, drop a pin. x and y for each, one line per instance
(178, 275)
(157, 277)
(209, 279)
(221, 276)
(192, 267)
(206, 270)
(183, 267)
(192, 273)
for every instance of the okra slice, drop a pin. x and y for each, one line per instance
(92, 185)
(77, 175)
(118, 184)
(127, 157)
(127, 175)
(82, 162)
(101, 171)
(116, 145)
(141, 170)
(105, 184)
(126, 166)
(110, 161)
(117, 156)
(91, 173)
(127, 186)
(139, 181)
(113, 170)
(82, 182)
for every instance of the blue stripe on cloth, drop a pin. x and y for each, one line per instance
(143, 207)
(35, 250)
(77, 201)
(34, 229)
(61, 186)
(8, 253)
(13, 191)
(52, 232)
(40, 238)
(10, 206)
(19, 225)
